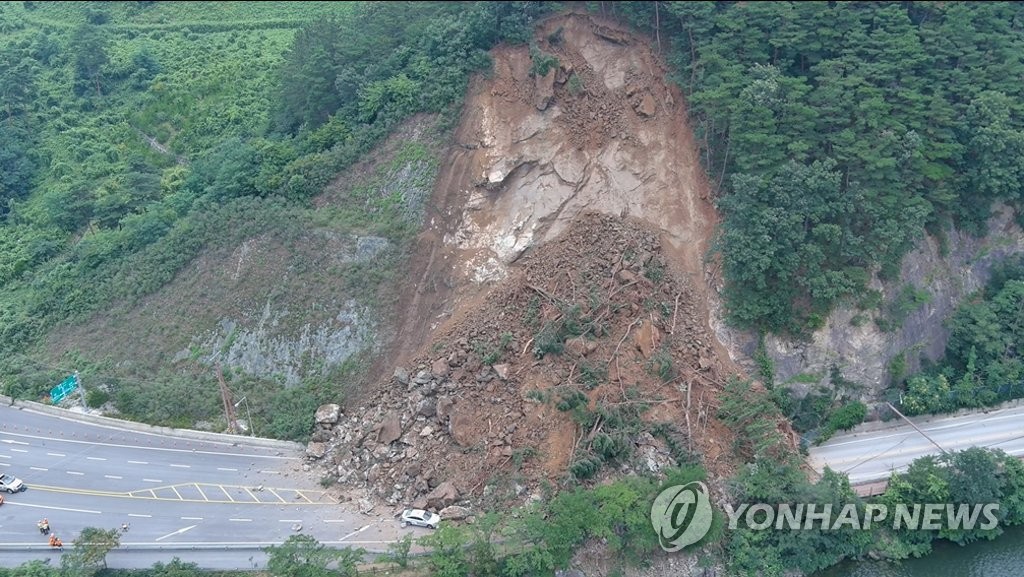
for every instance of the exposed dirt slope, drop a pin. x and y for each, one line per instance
(557, 310)
(603, 131)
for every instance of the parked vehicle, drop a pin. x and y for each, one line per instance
(420, 518)
(11, 484)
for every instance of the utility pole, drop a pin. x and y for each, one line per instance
(909, 422)
(229, 409)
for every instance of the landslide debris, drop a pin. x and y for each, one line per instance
(592, 359)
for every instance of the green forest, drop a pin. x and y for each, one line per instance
(839, 133)
(138, 134)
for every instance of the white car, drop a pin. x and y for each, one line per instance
(420, 518)
(11, 484)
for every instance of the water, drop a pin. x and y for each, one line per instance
(1002, 557)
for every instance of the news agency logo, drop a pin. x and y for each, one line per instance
(681, 515)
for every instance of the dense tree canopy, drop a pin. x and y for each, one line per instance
(914, 110)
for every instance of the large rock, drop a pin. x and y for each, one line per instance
(647, 339)
(390, 429)
(440, 368)
(316, 450)
(460, 426)
(442, 496)
(454, 513)
(328, 414)
(444, 408)
(646, 106)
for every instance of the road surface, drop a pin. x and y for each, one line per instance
(873, 456)
(216, 503)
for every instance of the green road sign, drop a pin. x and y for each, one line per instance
(64, 389)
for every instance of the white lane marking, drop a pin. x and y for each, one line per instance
(113, 476)
(12, 441)
(53, 508)
(178, 532)
(38, 469)
(138, 515)
(153, 480)
(5, 457)
(334, 520)
(225, 469)
(241, 520)
(19, 450)
(191, 518)
(139, 462)
(356, 532)
(182, 466)
(289, 520)
(143, 448)
(56, 455)
(5, 464)
(74, 473)
(270, 472)
(96, 458)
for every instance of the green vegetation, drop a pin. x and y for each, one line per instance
(138, 136)
(304, 556)
(176, 568)
(983, 364)
(836, 132)
(773, 474)
(543, 538)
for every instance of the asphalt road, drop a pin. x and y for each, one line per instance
(875, 455)
(214, 503)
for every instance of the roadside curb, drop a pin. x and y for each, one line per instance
(152, 429)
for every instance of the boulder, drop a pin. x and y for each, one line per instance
(402, 376)
(442, 496)
(647, 339)
(440, 368)
(328, 414)
(454, 513)
(390, 429)
(502, 371)
(427, 431)
(427, 408)
(460, 426)
(646, 106)
(444, 408)
(316, 450)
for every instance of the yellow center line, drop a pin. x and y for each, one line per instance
(230, 498)
(177, 493)
(254, 498)
(303, 495)
(200, 489)
(276, 495)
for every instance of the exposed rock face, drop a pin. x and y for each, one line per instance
(853, 342)
(540, 152)
(260, 350)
